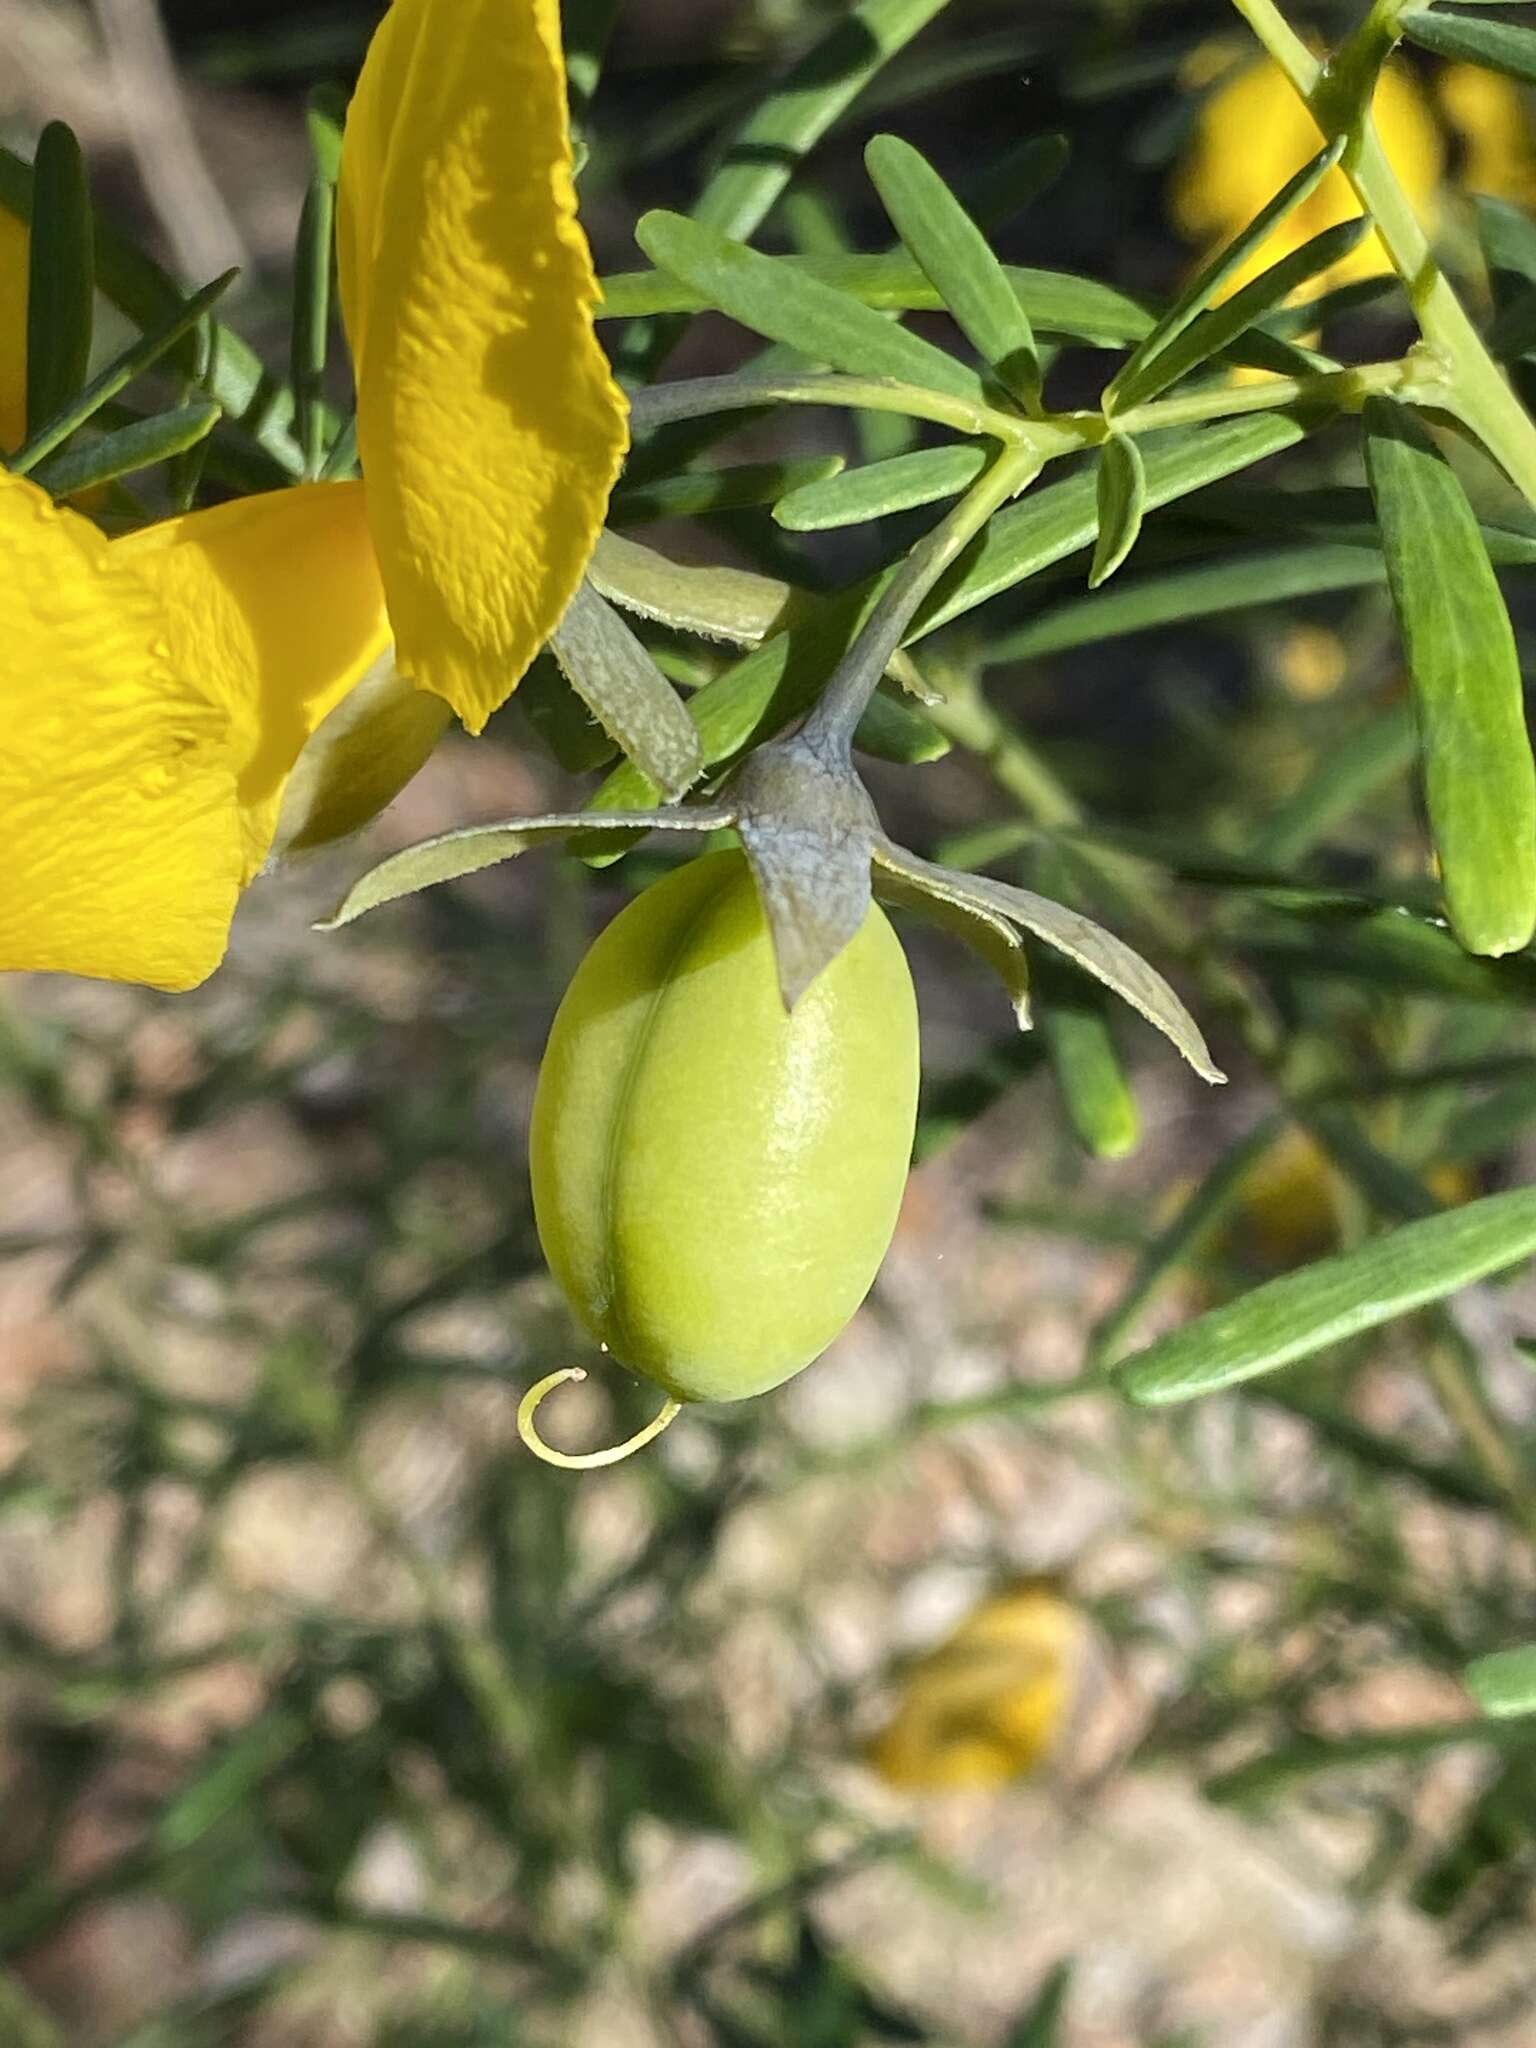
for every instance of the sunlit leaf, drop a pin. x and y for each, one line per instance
(1333, 1299)
(956, 258)
(1480, 785)
(776, 298)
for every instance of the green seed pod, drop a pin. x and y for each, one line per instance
(716, 1181)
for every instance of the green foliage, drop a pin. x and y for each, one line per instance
(535, 1686)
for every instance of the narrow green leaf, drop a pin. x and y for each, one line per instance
(61, 276)
(470, 848)
(1131, 383)
(991, 937)
(781, 678)
(127, 449)
(1333, 1299)
(956, 258)
(312, 319)
(236, 377)
(626, 693)
(1219, 328)
(1087, 945)
(763, 157)
(1075, 308)
(130, 364)
(1494, 44)
(1089, 1075)
(1040, 2025)
(1122, 504)
(776, 298)
(1175, 596)
(721, 603)
(1505, 1683)
(894, 730)
(325, 119)
(701, 493)
(1480, 785)
(877, 489)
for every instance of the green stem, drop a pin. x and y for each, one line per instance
(696, 397)
(1478, 391)
(846, 697)
(1345, 390)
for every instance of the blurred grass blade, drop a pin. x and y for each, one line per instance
(127, 449)
(626, 693)
(1014, 180)
(880, 488)
(1122, 504)
(1216, 330)
(586, 26)
(1131, 382)
(1310, 1754)
(765, 154)
(1088, 1071)
(312, 319)
(1494, 44)
(61, 276)
(1057, 302)
(1480, 785)
(701, 493)
(1323, 1304)
(150, 297)
(956, 258)
(1041, 2024)
(133, 362)
(775, 298)
(1505, 1683)
(1203, 1211)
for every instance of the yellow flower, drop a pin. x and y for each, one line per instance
(1253, 133)
(1288, 1211)
(987, 1704)
(162, 689)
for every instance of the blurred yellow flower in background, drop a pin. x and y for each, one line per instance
(163, 688)
(1253, 133)
(989, 1702)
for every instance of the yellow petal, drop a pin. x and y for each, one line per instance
(1254, 133)
(274, 603)
(122, 844)
(989, 1702)
(489, 425)
(15, 257)
(360, 758)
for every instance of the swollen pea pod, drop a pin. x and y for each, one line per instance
(716, 1178)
